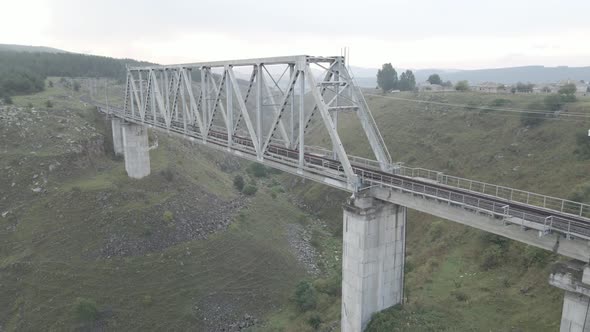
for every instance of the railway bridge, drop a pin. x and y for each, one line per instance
(263, 110)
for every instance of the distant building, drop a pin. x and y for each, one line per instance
(581, 86)
(426, 86)
(545, 88)
(489, 87)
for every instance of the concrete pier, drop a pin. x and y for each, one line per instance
(574, 278)
(372, 259)
(137, 155)
(116, 125)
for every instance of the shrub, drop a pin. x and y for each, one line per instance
(491, 257)
(239, 182)
(436, 230)
(530, 119)
(331, 285)
(168, 216)
(306, 296)
(553, 102)
(581, 193)
(85, 309)
(460, 296)
(462, 86)
(7, 100)
(314, 320)
(250, 190)
(491, 238)
(168, 174)
(48, 104)
(258, 170)
(582, 146)
(536, 256)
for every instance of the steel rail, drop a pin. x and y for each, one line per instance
(511, 211)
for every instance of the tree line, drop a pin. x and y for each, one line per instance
(25, 72)
(388, 80)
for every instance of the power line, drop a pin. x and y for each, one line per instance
(486, 108)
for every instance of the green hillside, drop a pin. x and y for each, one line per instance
(458, 278)
(23, 71)
(83, 247)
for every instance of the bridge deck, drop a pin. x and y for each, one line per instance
(513, 206)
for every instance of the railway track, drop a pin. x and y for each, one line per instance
(547, 220)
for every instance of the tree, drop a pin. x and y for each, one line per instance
(76, 86)
(553, 102)
(567, 89)
(407, 81)
(524, 87)
(387, 78)
(239, 182)
(50, 83)
(462, 86)
(434, 79)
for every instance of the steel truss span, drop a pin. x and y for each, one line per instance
(223, 112)
(202, 100)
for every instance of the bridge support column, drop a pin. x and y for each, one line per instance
(137, 155)
(372, 259)
(574, 278)
(116, 125)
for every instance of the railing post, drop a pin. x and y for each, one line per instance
(528, 195)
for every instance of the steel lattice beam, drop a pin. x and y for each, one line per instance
(254, 124)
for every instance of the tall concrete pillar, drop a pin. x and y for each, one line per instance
(116, 125)
(373, 253)
(574, 278)
(137, 155)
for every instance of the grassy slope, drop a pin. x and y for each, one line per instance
(49, 258)
(46, 263)
(447, 286)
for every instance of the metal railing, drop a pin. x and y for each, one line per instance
(571, 228)
(502, 192)
(411, 181)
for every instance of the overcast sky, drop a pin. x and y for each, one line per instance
(409, 34)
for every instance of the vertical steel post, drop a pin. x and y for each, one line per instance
(229, 108)
(301, 116)
(259, 82)
(204, 97)
(292, 122)
(336, 78)
(131, 95)
(185, 111)
(142, 106)
(166, 91)
(153, 95)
